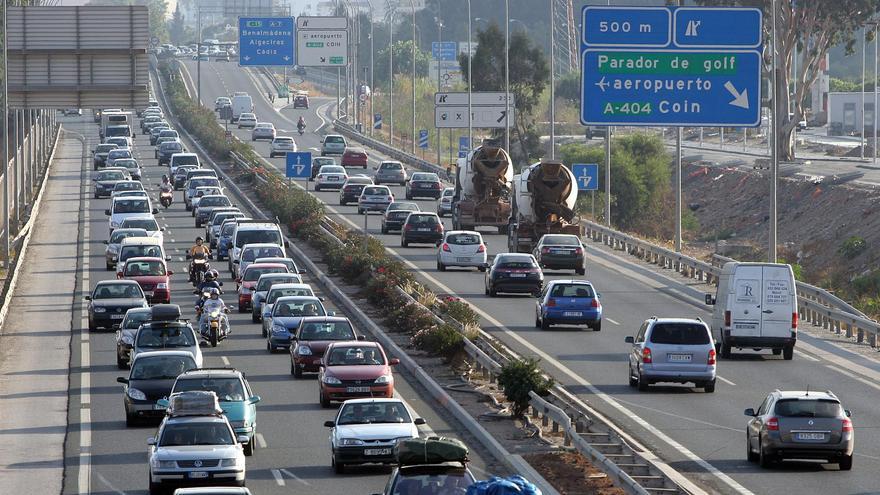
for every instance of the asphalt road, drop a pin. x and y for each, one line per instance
(701, 435)
(292, 454)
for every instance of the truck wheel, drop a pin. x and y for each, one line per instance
(580, 271)
(725, 351)
(788, 352)
(502, 230)
(777, 351)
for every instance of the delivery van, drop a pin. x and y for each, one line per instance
(241, 104)
(755, 308)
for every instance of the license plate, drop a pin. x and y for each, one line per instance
(333, 179)
(316, 361)
(157, 407)
(811, 436)
(678, 358)
(377, 451)
(517, 275)
(356, 390)
(424, 230)
(116, 317)
(198, 474)
(572, 313)
(462, 260)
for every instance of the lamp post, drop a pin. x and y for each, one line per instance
(774, 152)
(470, 79)
(507, 75)
(391, 84)
(862, 135)
(372, 88)
(439, 62)
(552, 80)
(413, 84)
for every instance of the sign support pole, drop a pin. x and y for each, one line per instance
(608, 176)
(677, 239)
(774, 151)
(4, 114)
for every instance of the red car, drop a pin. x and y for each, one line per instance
(152, 274)
(353, 370)
(354, 157)
(313, 335)
(247, 282)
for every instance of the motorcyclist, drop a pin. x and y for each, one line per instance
(211, 305)
(198, 251)
(210, 282)
(301, 123)
(166, 185)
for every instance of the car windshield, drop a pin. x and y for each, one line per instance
(119, 141)
(186, 160)
(227, 229)
(463, 239)
(267, 282)
(127, 163)
(449, 192)
(172, 146)
(148, 251)
(679, 334)
(133, 319)
(133, 205)
(285, 140)
(403, 207)
(416, 219)
(334, 139)
(390, 166)
(517, 263)
(355, 356)
(332, 169)
(191, 433)
(105, 148)
(808, 408)
(299, 291)
(298, 308)
(257, 236)
(168, 133)
(144, 269)
(111, 175)
(204, 182)
(227, 389)
(425, 178)
(376, 191)
(117, 131)
(218, 201)
(320, 162)
(165, 337)
(161, 367)
(128, 186)
(572, 290)
(117, 291)
(428, 479)
(116, 154)
(222, 217)
(373, 412)
(119, 234)
(148, 224)
(262, 252)
(561, 240)
(326, 330)
(253, 274)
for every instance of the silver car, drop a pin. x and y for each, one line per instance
(390, 172)
(676, 350)
(375, 198)
(333, 144)
(111, 253)
(444, 206)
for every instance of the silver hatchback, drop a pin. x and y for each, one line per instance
(390, 172)
(375, 198)
(675, 350)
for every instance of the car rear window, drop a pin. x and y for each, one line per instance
(376, 190)
(268, 282)
(561, 240)
(390, 166)
(148, 224)
(422, 219)
(257, 236)
(809, 408)
(253, 274)
(425, 178)
(463, 239)
(334, 139)
(288, 291)
(326, 330)
(679, 334)
(572, 290)
(517, 264)
(185, 160)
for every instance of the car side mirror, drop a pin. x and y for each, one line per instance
(710, 299)
(848, 413)
(331, 313)
(629, 339)
(321, 298)
(438, 243)
(106, 242)
(122, 379)
(107, 212)
(420, 421)
(255, 399)
(155, 211)
(116, 326)
(95, 179)
(162, 403)
(394, 361)
(151, 441)
(485, 243)
(88, 298)
(204, 343)
(162, 229)
(170, 272)
(168, 258)
(329, 424)
(361, 338)
(243, 439)
(236, 262)
(749, 412)
(302, 271)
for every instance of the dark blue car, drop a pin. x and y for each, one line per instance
(569, 302)
(286, 314)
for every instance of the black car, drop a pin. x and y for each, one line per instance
(351, 190)
(109, 301)
(101, 152)
(396, 214)
(424, 185)
(561, 251)
(151, 378)
(300, 101)
(421, 227)
(514, 272)
(179, 178)
(167, 149)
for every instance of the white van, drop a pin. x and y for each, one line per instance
(755, 307)
(241, 104)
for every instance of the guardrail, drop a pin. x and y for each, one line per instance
(402, 156)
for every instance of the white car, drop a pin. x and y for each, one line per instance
(146, 222)
(281, 145)
(127, 186)
(203, 191)
(365, 431)
(221, 102)
(461, 248)
(330, 177)
(263, 130)
(125, 207)
(167, 336)
(247, 120)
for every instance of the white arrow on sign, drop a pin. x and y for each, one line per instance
(585, 180)
(739, 99)
(246, 58)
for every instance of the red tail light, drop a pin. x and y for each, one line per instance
(446, 247)
(646, 355)
(545, 250)
(578, 251)
(711, 357)
(727, 318)
(438, 228)
(408, 228)
(794, 321)
(773, 424)
(436, 185)
(551, 302)
(390, 198)
(481, 249)
(847, 425)
(595, 303)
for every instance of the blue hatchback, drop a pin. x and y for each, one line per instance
(569, 302)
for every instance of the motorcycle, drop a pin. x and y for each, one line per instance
(301, 129)
(165, 198)
(197, 268)
(215, 326)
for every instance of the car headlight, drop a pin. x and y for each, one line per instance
(159, 464)
(136, 394)
(332, 380)
(127, 339)
(278, 329)
(113, 248)
(99, 309)
(161, 286)
(304, 350)
(233, 462)
(384, 379)
(114, 224)
(348, 442)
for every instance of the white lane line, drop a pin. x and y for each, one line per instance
(109, 485)
(261, 441)
(609, 320)
(725, 380)
(84, 478)
(807, 356)
(225, 360)
(278, 479)
(297, 478)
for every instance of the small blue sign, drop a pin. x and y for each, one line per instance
(377, 121)
(423, 138)
(463, 146)
(444, 50)
(587, 176)
(626, 26)
(299, 164)
(266, 41)
(711, 28)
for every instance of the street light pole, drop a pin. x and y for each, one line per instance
(413, 84)
(552, 81)
(874, 144)
(507, 75)
(439, 62)
(774, 152)
(199, 58)
(470, 79)
(391, 85)
(372, 88)
(862, 135)
(607, 170)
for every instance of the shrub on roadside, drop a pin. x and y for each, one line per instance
(518, 378)
(459, 310)
(443, 340)
(853, 247)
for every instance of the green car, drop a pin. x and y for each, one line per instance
(238, 402)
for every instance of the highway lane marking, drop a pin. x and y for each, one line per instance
(612, 321)
(278, 478)
(807, 356)
(225, 360)
(109, 485)
(725, 380)
(261, 441)
(84, 479)
(297, 478)
(849, 375)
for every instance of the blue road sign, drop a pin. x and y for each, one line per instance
(299, 164)
(463, 146)
(266, 41)
(423, 138)
(377, 121)
(704, 74)
(587, 176)
(444, 50)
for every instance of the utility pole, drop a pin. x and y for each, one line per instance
(5, 116)
(372, 87)
(774, 152)
(507, 74)
(470, 80)
(413, 84)
(199, 56)
(552, 81)
(862, 135)
(439, 63)
(607, 170)
(391, 82)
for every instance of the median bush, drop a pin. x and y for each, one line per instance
(443, 340)
(518, 378)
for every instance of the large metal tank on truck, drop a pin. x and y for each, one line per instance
(544, 196)
(482, 189)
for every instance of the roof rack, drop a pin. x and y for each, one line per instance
(194, 403)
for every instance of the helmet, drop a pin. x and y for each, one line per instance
(213, 291)
(199, 239)
(215, 273)
(164, 177)
(209, 276)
